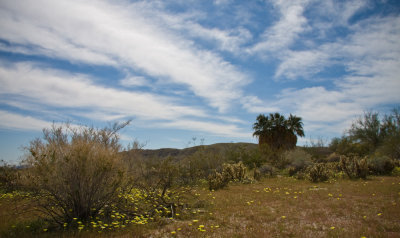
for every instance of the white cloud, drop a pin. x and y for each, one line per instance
(52, 88)
(19, 122)
(48, 88)
(121, 35)
(226, 40)
(284, 32)
(338, 12)
(370, 56)
(132, 81)
(302, 63)
(211, 128)
(255, 105)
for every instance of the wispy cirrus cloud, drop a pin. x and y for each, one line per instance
(368, 54)
(60, 89)
(16, 121)
(215, 128)
(79, 96)
(87, 32)
(370, 57)
(285, 31)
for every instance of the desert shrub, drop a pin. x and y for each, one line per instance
(296, 160)
(354, 166)
(230, 172)
(159, 182)
(199, 166)
(9, 177)
(371, 133)
(250, 157)
(291, 171)
(396, 171)
(267, 170)
(271, 156)
(368, 131)
(234, 172)
(74, 172)
(380, 165)
(217, 181)
(391, 131)
(318, 173)
(256, 174)
(346, 146)
(334, 157)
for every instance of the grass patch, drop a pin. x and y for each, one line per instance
(276, 207)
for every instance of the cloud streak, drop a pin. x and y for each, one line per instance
(285, 31)
(63, 91)
(60, 89)
(368, 53)
(20, 122)
(118, 34)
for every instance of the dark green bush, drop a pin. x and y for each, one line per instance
(371, 133)
(380, 165)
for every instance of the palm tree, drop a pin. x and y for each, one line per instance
(278, 132)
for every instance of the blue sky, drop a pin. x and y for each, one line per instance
(182, 69)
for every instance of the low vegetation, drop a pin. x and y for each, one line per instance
(81, 181)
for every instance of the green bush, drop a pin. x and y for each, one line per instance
(354, 166)
(318, 173)
(371, 133)
(380, 165)
(346, 146)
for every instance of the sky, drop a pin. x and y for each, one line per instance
(185, 69)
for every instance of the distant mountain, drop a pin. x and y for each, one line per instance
(178, 154)
(182, 153)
